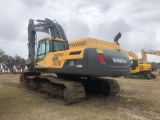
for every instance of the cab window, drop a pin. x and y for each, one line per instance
(42, 50)
(58, 46)
(140, 61)
(133, 64)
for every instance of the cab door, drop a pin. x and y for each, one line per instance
(134, 66)
(42, 51)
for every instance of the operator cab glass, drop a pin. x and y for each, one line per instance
(133, 64)
(42, 50)
(58, 46)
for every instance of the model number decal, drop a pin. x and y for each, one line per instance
(100, 51)
(117, 60)
(38, 27)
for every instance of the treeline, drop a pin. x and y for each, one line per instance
(10, 61)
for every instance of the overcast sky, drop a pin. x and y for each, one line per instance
(137, 20)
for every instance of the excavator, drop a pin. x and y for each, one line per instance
(68, 71)
(152, 52)
(138, 67)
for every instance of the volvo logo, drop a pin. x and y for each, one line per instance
(117, 60)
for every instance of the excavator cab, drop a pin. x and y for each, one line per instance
(47, 45)
(137, 65)
(133, 64)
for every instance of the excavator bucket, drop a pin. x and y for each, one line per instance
(25, 74)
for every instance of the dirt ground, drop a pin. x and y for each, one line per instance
(138, 99)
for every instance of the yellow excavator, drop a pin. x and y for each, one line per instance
(152, 52)
(138, 67)
(76, 66)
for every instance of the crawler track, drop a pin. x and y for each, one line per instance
(113, 85)
(143, 76)
(70, 90)
(67, 91)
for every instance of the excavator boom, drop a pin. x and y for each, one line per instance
(152, 52)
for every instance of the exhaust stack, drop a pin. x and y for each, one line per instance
(116, 38)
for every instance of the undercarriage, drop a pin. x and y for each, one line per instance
(71, 89)
(143, 76)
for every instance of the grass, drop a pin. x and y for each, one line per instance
(138, 99)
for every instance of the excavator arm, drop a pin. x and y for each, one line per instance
(144, 55)
(47, 26)
(145, 52)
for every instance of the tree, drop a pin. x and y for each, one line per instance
(2, 53)
(10, 61)
(20, 61)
